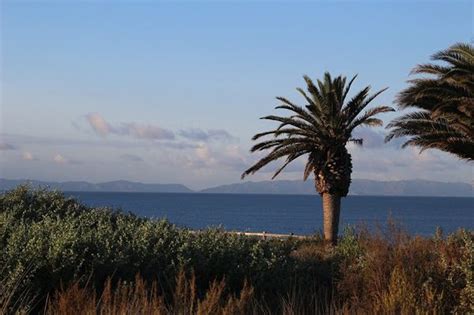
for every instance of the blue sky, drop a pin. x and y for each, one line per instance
(172, 91)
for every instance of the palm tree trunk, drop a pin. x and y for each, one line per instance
(331, 211)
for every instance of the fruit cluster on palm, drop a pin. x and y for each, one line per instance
(444, 104)
(320, 130)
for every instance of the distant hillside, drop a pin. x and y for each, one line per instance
(118, 186)
(358, 187)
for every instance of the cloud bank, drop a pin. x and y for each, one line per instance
(197, 134)
(132, 129)
(59, 159)
(28, 156)
(153, 132)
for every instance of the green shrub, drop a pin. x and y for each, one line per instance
(49, 242)
(60, 240)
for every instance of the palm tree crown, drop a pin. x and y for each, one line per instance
(320, 129)
(445, 103)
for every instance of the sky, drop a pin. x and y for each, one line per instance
(172, 92)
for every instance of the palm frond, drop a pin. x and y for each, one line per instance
(367, 118)
(290, 149)
(320, 128)
(289, 159)
(446, 100)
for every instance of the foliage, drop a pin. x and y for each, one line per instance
(444, 104)
(321, 129)
(88, 259)
(63, 241)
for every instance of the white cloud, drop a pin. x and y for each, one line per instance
(28, 156)
(144, 131)
(58, 158)
(197, 134)
(98, 123)
(229, 157)
(152, 132)
(132, 129)
(116, 143)
(203, 153)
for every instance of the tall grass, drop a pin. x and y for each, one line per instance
(139, 297)
(60, 257)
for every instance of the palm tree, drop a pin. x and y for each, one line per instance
(444, 104)
(321, 131)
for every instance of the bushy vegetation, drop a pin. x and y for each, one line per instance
(57, 254)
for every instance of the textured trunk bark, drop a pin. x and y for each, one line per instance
(331, 211)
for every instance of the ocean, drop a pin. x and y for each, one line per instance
(298, 214)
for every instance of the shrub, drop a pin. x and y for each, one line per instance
(86, 257)
(65, 241)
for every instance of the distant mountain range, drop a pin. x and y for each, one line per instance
(358, 187)
(118, 186)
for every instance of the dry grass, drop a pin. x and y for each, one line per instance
(139, 297)
(396, 273)
(10, 302)
(375, 274)
(379, 273)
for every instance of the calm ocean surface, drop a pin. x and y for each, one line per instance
(299, 214)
